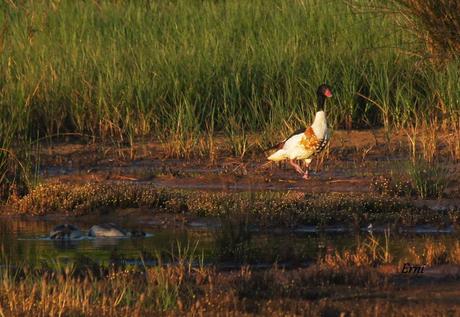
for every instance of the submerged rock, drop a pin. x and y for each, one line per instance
(111, 230)
(65, 232)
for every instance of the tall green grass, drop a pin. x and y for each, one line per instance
(180, 69)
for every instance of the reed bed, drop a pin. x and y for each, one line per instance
(184, 68)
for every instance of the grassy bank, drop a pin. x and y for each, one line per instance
(271, 209)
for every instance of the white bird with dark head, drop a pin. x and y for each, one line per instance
(304, 143)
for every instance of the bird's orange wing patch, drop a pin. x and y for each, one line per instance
(310, 142)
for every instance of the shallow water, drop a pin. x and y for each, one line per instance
(26, 242)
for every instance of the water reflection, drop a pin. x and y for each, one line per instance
(66, 244)
(26, 241)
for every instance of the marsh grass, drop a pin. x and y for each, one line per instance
(172, 278)
(368, 253)
(18, 170)
(455, 253)
(433, 253)
(427, 137)
(121, 291)
(429, 179)
(453, 142)
(180, 69)
(70, 290)
(183, 72)
(380, 251)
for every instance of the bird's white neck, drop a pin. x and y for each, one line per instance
(319, 126)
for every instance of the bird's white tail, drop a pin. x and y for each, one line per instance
(278, 155)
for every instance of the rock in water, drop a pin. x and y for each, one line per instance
(65, 232)
(111, 230)
(107, 230)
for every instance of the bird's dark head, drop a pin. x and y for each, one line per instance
(324, 91)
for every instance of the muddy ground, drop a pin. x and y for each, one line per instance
(352, 163)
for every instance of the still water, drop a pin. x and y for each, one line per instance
(26, 242)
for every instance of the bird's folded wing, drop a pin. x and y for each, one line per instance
(310, 141)
(281, 144)
(323, 142)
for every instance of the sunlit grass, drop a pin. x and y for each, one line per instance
(429, 179)
(121, 69)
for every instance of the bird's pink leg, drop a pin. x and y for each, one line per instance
(305, 175)
(296, 166)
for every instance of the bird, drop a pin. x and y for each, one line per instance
(306, 142)
(370, 228)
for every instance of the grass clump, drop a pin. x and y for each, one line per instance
(433, 253)
(370, 252)
(87, 198)
(428, 179)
